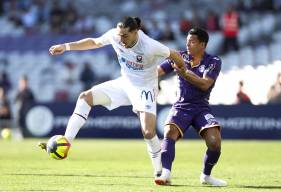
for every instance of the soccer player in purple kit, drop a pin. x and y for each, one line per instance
(195, 82)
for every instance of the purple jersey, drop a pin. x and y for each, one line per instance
(189, 95)
(192, 106)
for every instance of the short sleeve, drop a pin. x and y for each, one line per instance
(214, 67)
(167, 66)
(106, 37)
(159, 49)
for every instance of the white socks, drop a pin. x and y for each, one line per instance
(77, 120)
(154, 150)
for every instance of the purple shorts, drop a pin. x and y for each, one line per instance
(200, 118)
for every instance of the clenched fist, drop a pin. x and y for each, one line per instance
(57, 49)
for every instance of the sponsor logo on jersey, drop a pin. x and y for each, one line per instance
(134, 66)
(147, 94)
(131, 65)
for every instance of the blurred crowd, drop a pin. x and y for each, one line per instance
(94, 17)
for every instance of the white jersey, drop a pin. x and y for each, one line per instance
(139, 63)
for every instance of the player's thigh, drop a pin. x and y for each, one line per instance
(181, 119)
(212, 137)
(208, 128)
(205, 120)
(110, 94)
(148, 122)
(212, 133)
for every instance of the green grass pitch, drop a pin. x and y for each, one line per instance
(123, 165)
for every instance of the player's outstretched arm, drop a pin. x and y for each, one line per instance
(84, 44)
(202, 83)
(178, 60)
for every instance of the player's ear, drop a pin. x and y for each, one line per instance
(203, 44)
(135, 31)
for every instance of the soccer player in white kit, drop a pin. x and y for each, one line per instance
(138, 56)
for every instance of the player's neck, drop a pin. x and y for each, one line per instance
(198, 57)
(134, 42)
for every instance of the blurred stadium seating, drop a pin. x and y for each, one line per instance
(26, 34)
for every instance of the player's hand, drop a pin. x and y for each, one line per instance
(180, 69)
(57, 49)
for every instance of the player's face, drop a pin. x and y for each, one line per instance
(193, 45)
(128, 38)
(1, 92)
(22, 84)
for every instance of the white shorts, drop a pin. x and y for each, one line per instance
(122, 93)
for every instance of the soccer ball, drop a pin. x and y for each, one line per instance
(6, 133)
(57, 147)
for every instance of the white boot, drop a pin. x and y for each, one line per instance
(164, 179)
(209, 180)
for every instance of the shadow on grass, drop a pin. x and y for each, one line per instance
(76, 175)
(100, 176)
(273, 187)
(29, 190)
(159, 186)
(259, 187)
(177, 185)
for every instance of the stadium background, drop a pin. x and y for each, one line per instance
(30, 27)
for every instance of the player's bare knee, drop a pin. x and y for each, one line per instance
(214, 144)
(172, 132)
(148, 134)
(87, 96)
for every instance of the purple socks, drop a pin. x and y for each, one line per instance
(211, 158)
(168, 156)
(168, 153)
